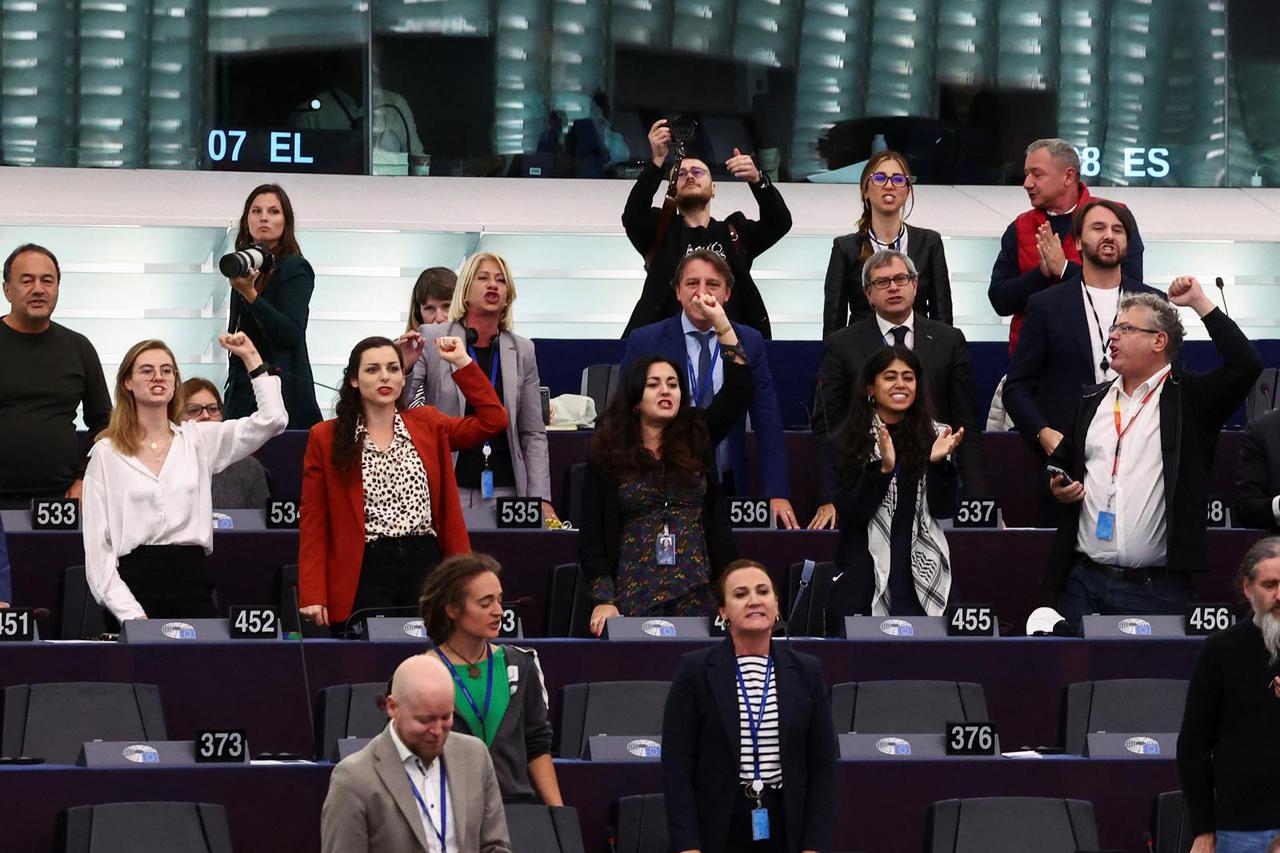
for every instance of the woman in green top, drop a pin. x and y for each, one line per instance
(500, 692)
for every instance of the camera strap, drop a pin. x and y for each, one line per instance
(665, 216)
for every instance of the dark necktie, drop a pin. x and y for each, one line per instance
(899, 335)
(704, 390)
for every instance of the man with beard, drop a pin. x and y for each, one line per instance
(664, 239)
(1062, 346)
(1229, 746)
(1139, 453)
(416, 786)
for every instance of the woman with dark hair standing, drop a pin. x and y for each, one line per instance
(897, 479)
(431, 297)
(885, 189)
(379, 501)
(148, 515)
(241, 485)
(655, 531)
(747, 736)
(272, 308)
(501, 696)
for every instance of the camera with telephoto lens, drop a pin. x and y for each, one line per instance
(255, 257)
(683, 129)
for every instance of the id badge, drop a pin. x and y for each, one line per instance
(666, 549)
(486, 484)
(760, 824)
(1106, 525)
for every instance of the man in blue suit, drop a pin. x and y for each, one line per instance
(688, 339)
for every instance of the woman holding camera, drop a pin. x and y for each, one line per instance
(380, 503)
(655, 532)
(516, 462)
(885, 189)
(271, 303)
(747, 737)
(148, 514)
(501, 696)
(897, 479)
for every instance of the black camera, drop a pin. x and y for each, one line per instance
(255, 257)
(683, 129)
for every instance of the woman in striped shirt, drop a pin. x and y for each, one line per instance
(748, 748)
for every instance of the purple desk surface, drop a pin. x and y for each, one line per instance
(1013, 470)
(1000, 567)
(263, 688)
(882, 804)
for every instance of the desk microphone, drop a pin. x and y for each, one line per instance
(1222, 290)
(306, 680)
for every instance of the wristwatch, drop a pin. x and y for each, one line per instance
(262, 369)
(734, 351)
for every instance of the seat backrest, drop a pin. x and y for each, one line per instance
(81, 618)
(1010, 825)
(146, 828)
(808, 616)
(571, 492)
(284, 589)
(609, 708)
(641, 824)
(52, 721)
(348, 710)
(535, 828)
(1170, 824)
(569, 604)
(599, 381)
(1120, 705)
(905, 707)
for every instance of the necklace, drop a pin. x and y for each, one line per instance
(156, 452)
(473, 667)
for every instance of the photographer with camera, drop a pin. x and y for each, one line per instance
(684, 224)
(271, 300)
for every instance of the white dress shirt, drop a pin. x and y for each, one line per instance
(886, 330)
(427, 781)
(126, 506)
(1141, 529)
(1106, 300)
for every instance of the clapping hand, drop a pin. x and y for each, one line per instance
(239, 345)
(452, 350)
(945, 444)
(888, 459)
(742, 166)
(1053, 259)
(410, 345)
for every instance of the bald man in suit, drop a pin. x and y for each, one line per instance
(416, 787)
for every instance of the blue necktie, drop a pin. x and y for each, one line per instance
(704, 380)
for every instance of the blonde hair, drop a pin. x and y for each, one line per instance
(122, 430)
(471, 266)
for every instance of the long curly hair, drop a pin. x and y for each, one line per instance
(914, 437)
(864, 185)
(349, 408)
(616, 446)
(446, 587)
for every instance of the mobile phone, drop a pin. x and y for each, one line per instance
(545, 393)
(1055, 471)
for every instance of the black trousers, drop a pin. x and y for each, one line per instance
(739, 838)
(170, 581)
(394, 570)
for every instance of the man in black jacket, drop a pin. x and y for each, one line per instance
(664, 240)
(889, 281)
(1227, 750)
(1139, 452)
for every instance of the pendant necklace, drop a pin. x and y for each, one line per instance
(473, 667)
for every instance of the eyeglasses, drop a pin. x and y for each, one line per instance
(696, 171)
(212, 410)
(148, 372)
(898, 181)
(1127, 328)
(902, 279)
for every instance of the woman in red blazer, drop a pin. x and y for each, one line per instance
(379, 500)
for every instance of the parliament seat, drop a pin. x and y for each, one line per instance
(81, 617)
(640, 824)
(1170, 824)
(607, 708)
(145, 828)
(568, 603)
(348, 710)
(1119, 705)
(905, 707)
(52, 721)
(1010, 825)
(599, 382)
(535, 828)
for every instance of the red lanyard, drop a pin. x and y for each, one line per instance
(1120, 433)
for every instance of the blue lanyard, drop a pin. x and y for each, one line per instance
(698, 384)
(755, 722)
(444, 805)
(493, 365)
(483, 717)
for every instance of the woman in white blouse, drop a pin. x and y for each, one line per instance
(148, 514)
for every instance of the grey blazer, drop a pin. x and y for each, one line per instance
(370, 809)
(431, 383)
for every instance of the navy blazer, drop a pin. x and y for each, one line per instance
(701, 741)
(666, 338)
(1053, 361)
